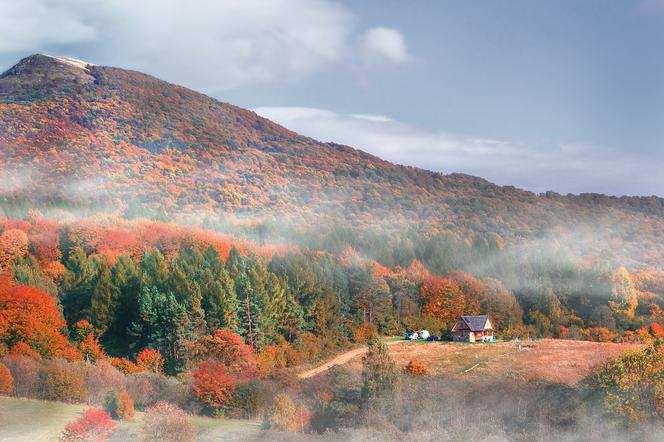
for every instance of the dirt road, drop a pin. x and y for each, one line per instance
(339, 360)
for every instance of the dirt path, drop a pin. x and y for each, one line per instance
(339, 360)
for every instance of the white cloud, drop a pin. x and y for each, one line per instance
(562, 168)
(384, 44)
(206, 44)
(29, 24)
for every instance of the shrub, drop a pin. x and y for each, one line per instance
(95, 425)
(147, 388)
(244, 402)
(212, 386)
(632, 385)
(124, 365)
(120, 405)
(101, 378)
(141, 389)
(6, 381)
(25, 372)
(166, 422)
(599, 334)
(63, 383)
(416, 368)
(641, 336)
(284, 416)
(150, 360)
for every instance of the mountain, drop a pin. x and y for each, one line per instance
(84, 137)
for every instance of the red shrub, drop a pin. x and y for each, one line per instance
(6, 381)
(101, 378)
(657, 330)
(150, 360)
(95, 425)
(212, 386)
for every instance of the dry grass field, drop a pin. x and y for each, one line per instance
(561, 361)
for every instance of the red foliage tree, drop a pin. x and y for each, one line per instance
(228, 349)
(212, 386)
(6, 381)
(150, 360)
(95, 424)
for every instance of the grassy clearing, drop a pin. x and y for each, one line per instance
(561, 361)
(37, 421)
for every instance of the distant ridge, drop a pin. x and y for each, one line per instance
(84, 137)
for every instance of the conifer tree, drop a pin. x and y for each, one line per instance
(104, 300)
(126, 276)
(380, 375)
(77, 284)
(163, 324)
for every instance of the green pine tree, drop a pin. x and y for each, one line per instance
(380, 375)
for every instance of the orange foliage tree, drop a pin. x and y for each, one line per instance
(91, 349)
(150, 359)
(228, 349)
(13, 244)
(442, 298)
(31, 316)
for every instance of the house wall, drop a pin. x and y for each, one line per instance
(463, 336)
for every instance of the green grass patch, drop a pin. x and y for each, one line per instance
(37, 421)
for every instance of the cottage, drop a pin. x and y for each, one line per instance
(473, 329)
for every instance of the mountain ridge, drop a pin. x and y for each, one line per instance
(104, 138)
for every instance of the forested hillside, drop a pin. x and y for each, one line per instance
(89, 138)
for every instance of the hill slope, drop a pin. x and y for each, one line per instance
(101, 138)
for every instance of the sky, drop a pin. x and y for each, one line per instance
(565, 96)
